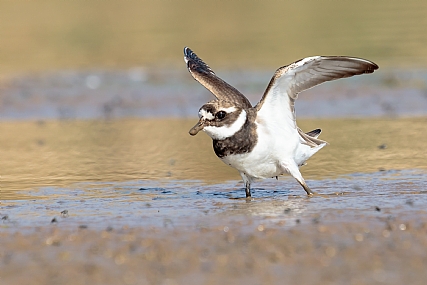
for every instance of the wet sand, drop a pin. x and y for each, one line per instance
(371, 250)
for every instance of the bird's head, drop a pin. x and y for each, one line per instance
(220, 120)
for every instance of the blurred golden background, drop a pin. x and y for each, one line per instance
(82, 34)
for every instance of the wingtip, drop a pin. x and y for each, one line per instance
(187, 51)
(187, 54)
(372, 67)
(314, 133)
(368, 66)
(190, 54)
(194, 62)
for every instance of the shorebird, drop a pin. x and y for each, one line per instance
(264, 141)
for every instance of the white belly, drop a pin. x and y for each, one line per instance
(253, 166)
(264, 161)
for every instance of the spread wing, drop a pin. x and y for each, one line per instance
(279, 98)
(205, 76)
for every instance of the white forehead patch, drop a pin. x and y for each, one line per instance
(209, 116)
(229, 109)
(206, 115)
(221, 133)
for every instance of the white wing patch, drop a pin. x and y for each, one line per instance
(303, 61)
(277, 107)
(221, 133)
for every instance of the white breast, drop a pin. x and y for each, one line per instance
(278, 144)
(264, 160)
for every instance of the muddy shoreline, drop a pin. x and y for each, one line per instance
(374, 234)
(380, 250)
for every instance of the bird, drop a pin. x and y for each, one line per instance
(264, 141)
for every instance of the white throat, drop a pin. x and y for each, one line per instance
(221, 133)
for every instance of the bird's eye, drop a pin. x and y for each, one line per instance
(220, 115)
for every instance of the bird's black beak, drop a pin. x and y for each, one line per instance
(197, 128)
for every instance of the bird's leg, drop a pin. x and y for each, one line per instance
(247, 181)
(248, 189)
(306, 188)
(293, 170)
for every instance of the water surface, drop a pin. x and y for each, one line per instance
(140, 171)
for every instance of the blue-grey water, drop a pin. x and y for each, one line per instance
(174, 203)
(147, 93)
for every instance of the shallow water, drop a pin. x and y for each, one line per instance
(151, 172)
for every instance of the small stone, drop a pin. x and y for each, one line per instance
(382, 146)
